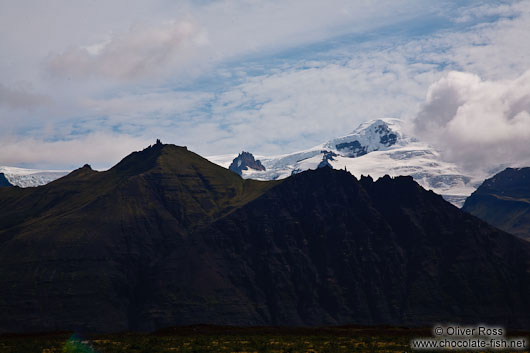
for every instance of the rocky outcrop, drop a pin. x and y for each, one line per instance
(352, 149)
(245, 161)
(326, 157)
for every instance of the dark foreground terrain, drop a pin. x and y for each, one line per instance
(226, 339)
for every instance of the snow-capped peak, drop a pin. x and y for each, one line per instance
(376, 148)
(373, 135)
(396, 125)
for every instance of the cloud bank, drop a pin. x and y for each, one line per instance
(96, 149)
(142, 51)
(20, 98)
(224, 75)
(478, 123)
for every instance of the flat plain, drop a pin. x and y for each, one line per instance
(223, 339)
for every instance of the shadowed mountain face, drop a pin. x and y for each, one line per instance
(167, 238)
(4, 181)
(504, 201)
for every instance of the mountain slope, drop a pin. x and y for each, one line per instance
(504, 201)
(376, 148)
(167, 238)
(84, 243)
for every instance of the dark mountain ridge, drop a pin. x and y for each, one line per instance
(504, 201)
(166, 238)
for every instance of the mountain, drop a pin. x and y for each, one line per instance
(4, 181)
(92, 242)
(245, 161)
(30, 177)
(167, 238)
(504, 201)
(376, 148)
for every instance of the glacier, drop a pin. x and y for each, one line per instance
(24, 177)
(376, 148)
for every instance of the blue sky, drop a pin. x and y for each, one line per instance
(91, 82)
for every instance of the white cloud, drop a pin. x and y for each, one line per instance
(250, 26)
(20, 98)
(301, 106)
(492, 49)
(485, 10)
(141, 52)
(206, 73)
(477, 123)
(122, 39)
(101, 150)
(147, 105)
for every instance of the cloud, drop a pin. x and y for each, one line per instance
(478, 123)
(305, 105)
(20, 98)
(269, 76)
(206, 33)
(491, 47)
(473, 13)
(101, 150)
(142, 51)
(251, 26)
(148, 106)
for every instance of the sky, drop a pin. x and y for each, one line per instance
(91, 81)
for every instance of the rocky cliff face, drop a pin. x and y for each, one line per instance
(245, 161)
(167, 238)
(504, 201)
